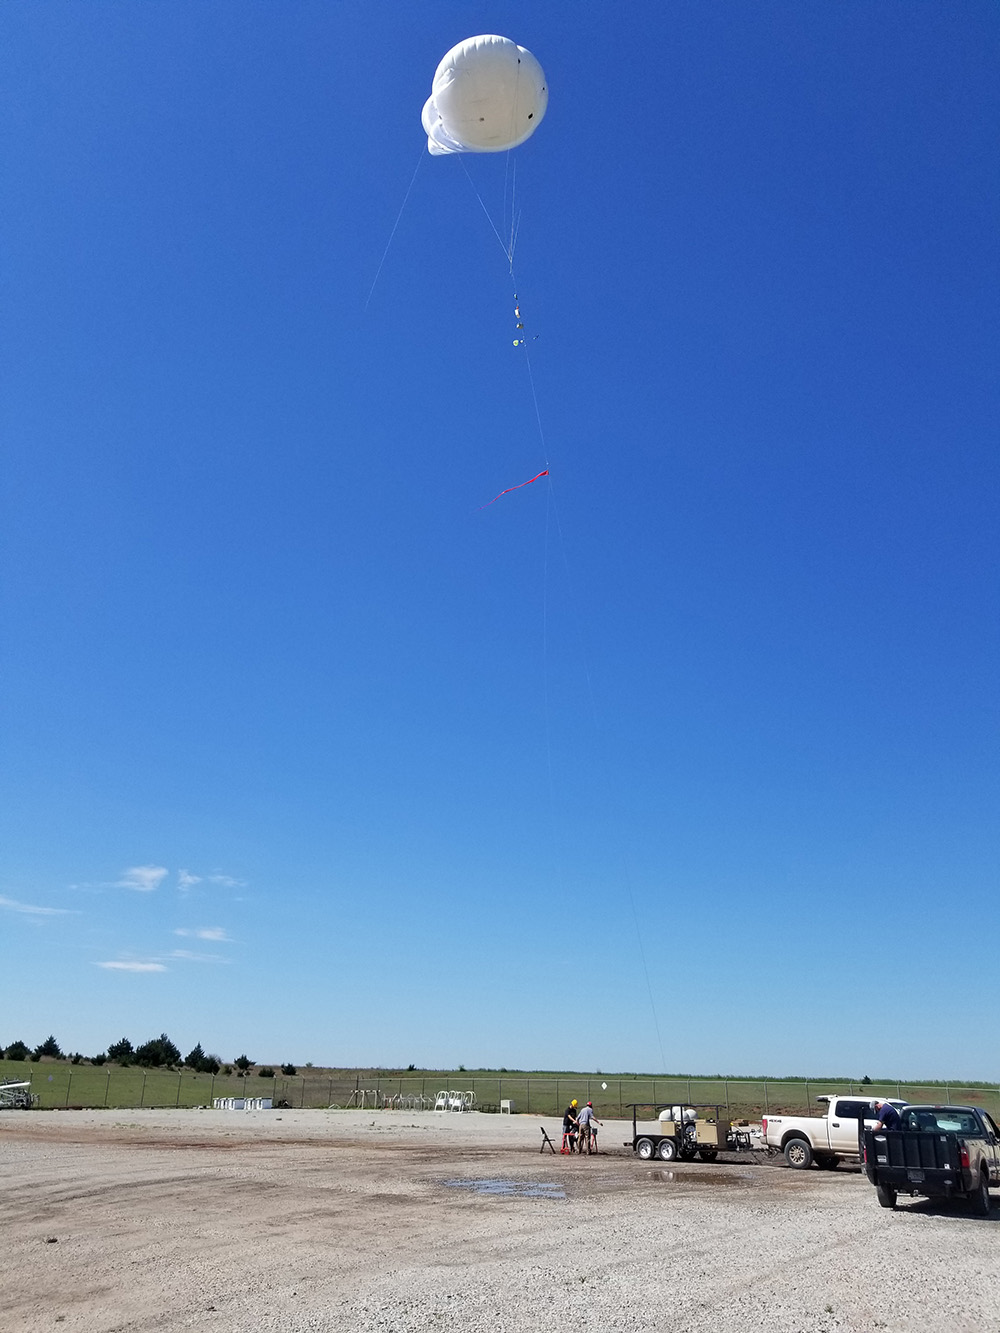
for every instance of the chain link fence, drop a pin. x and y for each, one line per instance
(59, 1085)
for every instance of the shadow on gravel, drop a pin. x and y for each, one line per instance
(956, 1208)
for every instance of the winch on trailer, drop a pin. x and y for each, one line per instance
(683, 1133)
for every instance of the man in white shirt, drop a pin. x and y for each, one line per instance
(588, 1133)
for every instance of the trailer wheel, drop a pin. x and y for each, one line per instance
(666, 1150)
(798, 1154)
(644, 1149)
(708, 1154)
(979, 1199)
(886, 1196)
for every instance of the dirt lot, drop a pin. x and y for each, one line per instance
(321, 1220)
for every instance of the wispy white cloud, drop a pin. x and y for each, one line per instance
(204, 933)
(133, 967)
(191, 957)
(187, 879)
(12, 905)
(144, 879)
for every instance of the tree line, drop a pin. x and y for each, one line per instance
(158, 1053)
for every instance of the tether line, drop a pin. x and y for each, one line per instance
(396, 224)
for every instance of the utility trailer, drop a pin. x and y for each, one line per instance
(684, 1133)
(16, 1096)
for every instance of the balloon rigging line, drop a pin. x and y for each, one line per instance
(534, 399)
(514, 219)
(595, 721)
(506, 177)
(574, 602)
(396, 224)
(489, 219)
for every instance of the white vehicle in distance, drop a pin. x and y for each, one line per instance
(827, 1139)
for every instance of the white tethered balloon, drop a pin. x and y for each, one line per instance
(488, 95)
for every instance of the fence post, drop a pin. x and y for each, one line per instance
(527, 1094)
(142, 1094)
(726, 1086)
(947, 1090)
(178, 1101)
(302, 1098)
(107, 1090)
(70, 1080)
(766, 1107)
(807, 1093)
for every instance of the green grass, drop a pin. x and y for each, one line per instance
(57, 1083)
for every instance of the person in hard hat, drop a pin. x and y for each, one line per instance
(588, 1123)
(571, 1125)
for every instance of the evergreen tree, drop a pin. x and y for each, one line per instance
(160, 1051)
(121, 1052)
(196, 1058)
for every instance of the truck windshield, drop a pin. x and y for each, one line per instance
(947, 1119)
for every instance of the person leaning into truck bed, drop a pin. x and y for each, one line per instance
(888, 1116)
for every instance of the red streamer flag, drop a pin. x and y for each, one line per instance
(514, 488)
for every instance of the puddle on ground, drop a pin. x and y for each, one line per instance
(510, 1189)
(699, 1177)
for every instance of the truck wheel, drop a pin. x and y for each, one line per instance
(798, 1153)
(666, 1150)
(644, 1150)
(708, 1154)
(980, 1198)
(886, 1196)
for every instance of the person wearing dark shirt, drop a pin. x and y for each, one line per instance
(888, 1116)
(570, 1126)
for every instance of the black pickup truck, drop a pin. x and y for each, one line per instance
(938, 1151)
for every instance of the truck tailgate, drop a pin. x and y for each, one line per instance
(911, 1155)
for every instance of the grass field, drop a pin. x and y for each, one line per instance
(57, 1083)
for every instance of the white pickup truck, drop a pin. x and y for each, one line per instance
(825, 1139)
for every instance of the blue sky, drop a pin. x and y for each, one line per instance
(305, 754)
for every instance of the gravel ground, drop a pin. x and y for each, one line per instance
(308, 1221)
